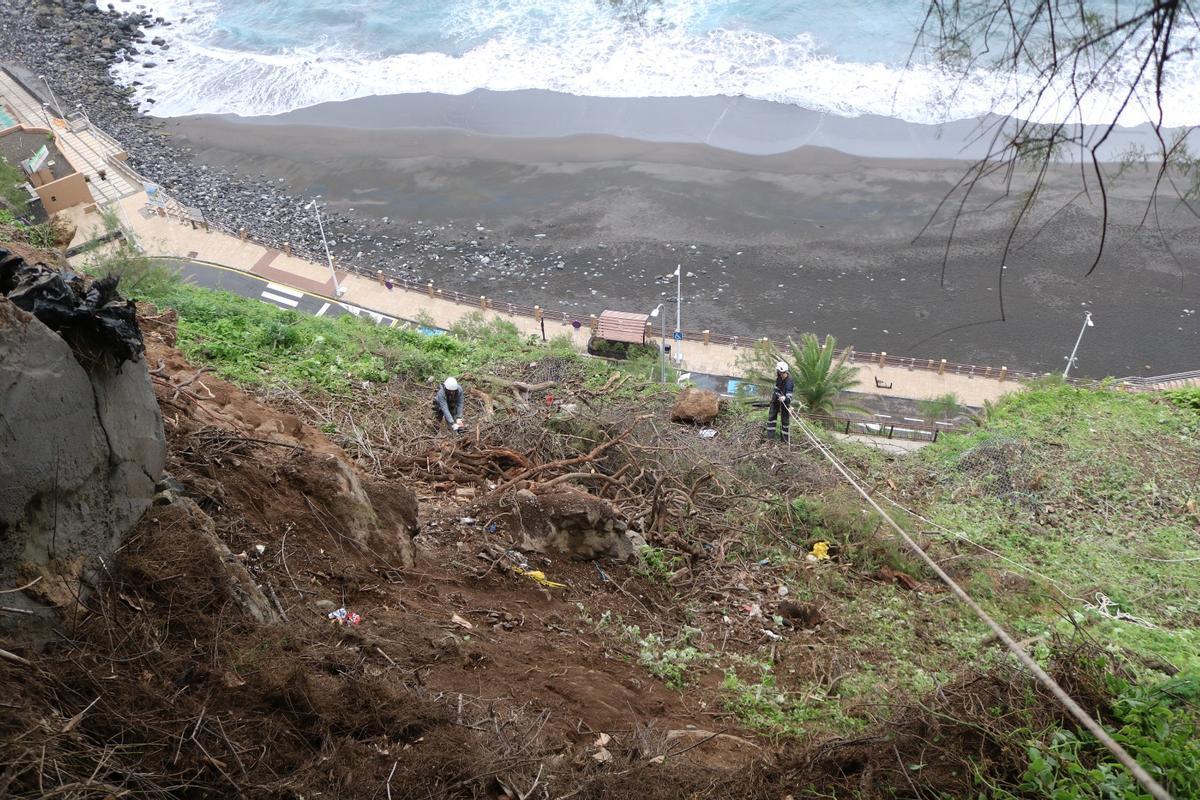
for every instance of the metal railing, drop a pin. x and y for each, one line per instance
(906, 429)
(1179, 378)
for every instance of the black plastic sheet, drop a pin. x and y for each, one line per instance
(91, 317)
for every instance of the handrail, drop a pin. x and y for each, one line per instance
(1153, 380)
(891, 429)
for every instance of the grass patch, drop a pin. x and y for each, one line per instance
(255, 344)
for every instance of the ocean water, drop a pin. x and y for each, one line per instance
(256, 57)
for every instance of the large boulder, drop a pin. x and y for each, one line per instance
(562, 519)
(697, 406)
(81, 449)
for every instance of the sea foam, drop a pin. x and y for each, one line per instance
(575, 48)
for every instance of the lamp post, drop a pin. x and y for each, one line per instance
(678, 311)
(662, 347)
(338, 291)
(52, 97)
(1087, 323)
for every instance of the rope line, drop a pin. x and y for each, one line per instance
(1081, 716)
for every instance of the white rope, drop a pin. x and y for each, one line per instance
(1105, 606)
(1073, 708)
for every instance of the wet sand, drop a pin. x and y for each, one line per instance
(771, 243)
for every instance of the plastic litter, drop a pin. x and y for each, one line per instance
(92, 318)
(708, 433)
(517, 558)
(490, 527)
(539, 577)
(819, 552)
(467, 520)
(343, 617)
(460, 622)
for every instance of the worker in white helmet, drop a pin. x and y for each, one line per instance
(781, 402)
(448, 405)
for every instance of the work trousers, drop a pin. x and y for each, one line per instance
(779, 410)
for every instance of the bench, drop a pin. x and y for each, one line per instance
(881, 385)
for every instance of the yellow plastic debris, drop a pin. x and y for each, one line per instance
(820, 551)
(539, 577)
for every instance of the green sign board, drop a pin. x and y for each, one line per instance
(38, 159)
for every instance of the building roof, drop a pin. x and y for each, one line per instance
(622, 326)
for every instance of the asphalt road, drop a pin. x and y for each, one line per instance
(254, 287)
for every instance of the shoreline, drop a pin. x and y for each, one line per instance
(772, 244)
(738, 124)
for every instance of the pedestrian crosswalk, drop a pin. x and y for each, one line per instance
(283, 296)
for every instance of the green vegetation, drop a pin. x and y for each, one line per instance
(1153, 725)
(942, 407)
(252, 343)
(656, 564)
(761, 703)
(669, 660)
(1185, 398)
(11, 179)
(1088, 492)
(43, 235)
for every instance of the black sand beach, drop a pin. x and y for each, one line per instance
(770, 244)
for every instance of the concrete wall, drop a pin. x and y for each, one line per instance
(64, 193)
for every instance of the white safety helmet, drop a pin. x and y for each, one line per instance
(781, 366)
(451, 384)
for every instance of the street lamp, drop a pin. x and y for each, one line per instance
(1087, 323)
(57, 104)
(662, 348)
(338, 291)
(678, 312)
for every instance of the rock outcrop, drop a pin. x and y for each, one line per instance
(563, 519)
(697, 406)
(81, 449)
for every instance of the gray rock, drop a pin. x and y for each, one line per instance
(80, 451)
(564, 520)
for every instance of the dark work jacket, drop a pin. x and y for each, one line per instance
(783, 389)
(444, 401)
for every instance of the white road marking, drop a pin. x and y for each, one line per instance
(275, 287)
(287, 301)
(324, 308)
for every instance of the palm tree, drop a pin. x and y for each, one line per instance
(942, 407)
(820, 374)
